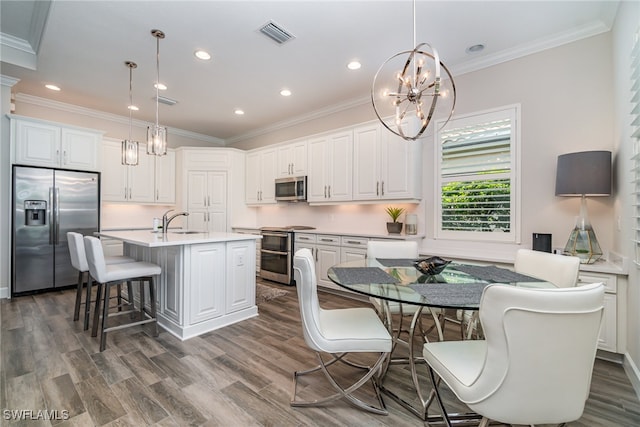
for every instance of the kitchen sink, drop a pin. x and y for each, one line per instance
(186, 232)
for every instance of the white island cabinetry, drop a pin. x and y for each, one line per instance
(207, 281)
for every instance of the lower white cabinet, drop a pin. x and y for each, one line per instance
(608, 331)
(206, 299)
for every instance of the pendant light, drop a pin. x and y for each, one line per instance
(156, 134)
(129, 146)
(411, 88)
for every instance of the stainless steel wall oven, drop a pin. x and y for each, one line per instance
(276, 253)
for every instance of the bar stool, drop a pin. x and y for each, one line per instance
(109, 275)
(79, 262)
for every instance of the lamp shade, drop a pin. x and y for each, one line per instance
(585, 173)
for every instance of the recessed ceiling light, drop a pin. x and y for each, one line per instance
(52, 87)
(239, 112)
(285, 92)
(475, 48)
(133, 107)
(201, 54)
(354, 65)
(160, 86)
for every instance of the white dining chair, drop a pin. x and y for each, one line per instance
(339, 333)
(534, 365)
(561, 270)
(79, 262)
(107, 276)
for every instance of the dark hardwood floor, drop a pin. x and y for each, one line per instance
(240, 375)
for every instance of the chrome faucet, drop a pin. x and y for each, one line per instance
(166, 220)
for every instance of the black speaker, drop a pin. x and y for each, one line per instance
(542, 242)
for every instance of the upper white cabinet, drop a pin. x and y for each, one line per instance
(385, 166)
(152, 180)
(260, 177)
(207, 200)
(40, 143)
(292, 159)
(330, 167)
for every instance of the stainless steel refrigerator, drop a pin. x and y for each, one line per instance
(48, 203)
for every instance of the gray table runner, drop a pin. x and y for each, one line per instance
(494, 274)
(363, 275)
(396, 262)
(451, 294)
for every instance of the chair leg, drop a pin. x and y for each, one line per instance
(445, 416)
(142, 297)
(130, 293)
(119, 296)
(76, 311)
(105, 316)
(96, 310)
(343, 392)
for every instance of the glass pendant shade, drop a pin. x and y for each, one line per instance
(129, 152)
(156, 134)
(157, 140)
(129, 146)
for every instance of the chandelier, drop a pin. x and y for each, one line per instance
(129, 146)
(156, 134)
(413, 87)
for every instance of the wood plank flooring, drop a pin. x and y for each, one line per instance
(240, 375)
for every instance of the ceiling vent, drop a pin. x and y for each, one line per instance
(165, 100)
(276, 33)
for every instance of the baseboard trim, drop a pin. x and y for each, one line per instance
(4, 293)
(631, 369)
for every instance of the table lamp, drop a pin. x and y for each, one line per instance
(587, 173)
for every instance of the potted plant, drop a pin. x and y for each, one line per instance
(394, 227)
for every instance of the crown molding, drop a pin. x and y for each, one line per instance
(8, 80)
(323, 112)
(539, 45)
(75, 109)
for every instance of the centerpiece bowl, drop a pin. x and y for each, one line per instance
(431, 266)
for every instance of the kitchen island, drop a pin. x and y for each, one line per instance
(208, 280)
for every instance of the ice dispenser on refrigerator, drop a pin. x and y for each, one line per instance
(35, 212)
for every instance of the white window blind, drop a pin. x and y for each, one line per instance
(635, 139)
(476, 177)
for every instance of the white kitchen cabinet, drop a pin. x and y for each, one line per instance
(353, 248)
(240, 286)
(152, 180)
(608, 331)
(260, 177)
(385, 166)
(207, 201)
(330, 168)
(292, 159)
(48, 144)
(207, 299)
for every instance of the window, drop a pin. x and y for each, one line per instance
(477, 181)
(635, 139)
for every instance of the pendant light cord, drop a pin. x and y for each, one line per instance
(130, 99)
(158, 80)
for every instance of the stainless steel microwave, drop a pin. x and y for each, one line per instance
(291, 189)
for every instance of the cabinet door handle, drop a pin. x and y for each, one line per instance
(377, 188)
(126, 190)
(316, 254)
(325, 191)
(64, 157)
(208, 200)
(383, 188)
(129, 192)
(329, 191)
(353, 242)
(58, 155)
(157, 194)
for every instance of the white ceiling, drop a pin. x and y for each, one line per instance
(84, 45)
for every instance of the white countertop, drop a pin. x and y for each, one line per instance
(173, 237)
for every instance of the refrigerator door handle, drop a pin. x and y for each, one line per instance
(50, 216)
(56, 215)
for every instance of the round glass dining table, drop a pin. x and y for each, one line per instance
(457, 286)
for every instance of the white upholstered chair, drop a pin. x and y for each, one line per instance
(107, 276)
(337, 332)
(79, 262)
(535, 365)
(560, 270)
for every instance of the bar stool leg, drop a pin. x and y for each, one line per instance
(119, 288)
(76, 311)
(152, 303)
(142, 297)
(87, 302)
(105, 316)
(130, 293)
(96, 310)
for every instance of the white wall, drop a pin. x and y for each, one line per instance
(627, 24)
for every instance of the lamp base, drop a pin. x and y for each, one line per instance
(583, 244)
